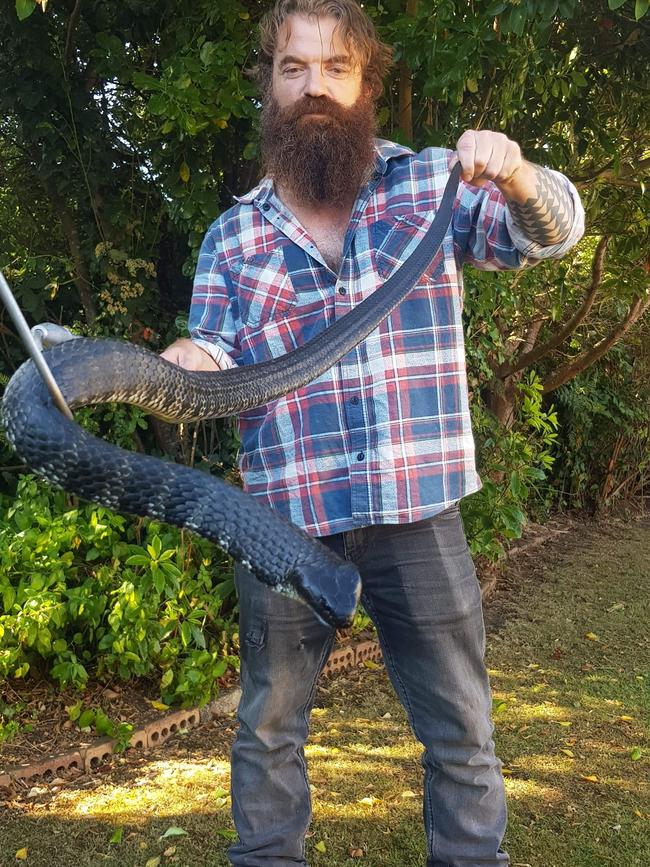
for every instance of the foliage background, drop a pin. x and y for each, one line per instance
(127, 127)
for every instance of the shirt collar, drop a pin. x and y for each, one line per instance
(384, 151)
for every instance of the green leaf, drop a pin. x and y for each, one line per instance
(173, 832)
(636, 754)
(640, 8)
(86, 718)
(615, 4)
(74, 710)
(197, 634)
(320, 846)
(24, 8)
(171, 570)
(159, 580)
(103, 724)
(158, 104)
(226, 833)
(207, 50)
(138, 560)
(117, 836)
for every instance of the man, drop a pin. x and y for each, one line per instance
(374, 456)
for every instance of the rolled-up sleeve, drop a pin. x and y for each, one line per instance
(534, 250)
(211, 323)
(486, 237)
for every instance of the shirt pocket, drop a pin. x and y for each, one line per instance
(395, 238)
(263, 288)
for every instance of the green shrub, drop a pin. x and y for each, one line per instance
(513, 464)
(605, 417)
(87, 592)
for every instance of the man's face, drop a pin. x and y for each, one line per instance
(311, 60)
(318, 120)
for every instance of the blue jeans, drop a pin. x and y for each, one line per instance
(420, 588)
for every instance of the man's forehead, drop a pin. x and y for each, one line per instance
(313, 33)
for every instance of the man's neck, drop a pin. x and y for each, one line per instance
(322, 212)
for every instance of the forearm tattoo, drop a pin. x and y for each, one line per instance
(546, 217)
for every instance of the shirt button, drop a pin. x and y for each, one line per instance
(354, 400)
(342, 290)
(360, 456)
(266, 206)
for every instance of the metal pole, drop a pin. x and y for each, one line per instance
(32, 347)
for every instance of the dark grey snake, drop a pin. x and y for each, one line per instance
(100, 371)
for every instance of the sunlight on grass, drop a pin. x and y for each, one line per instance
(524, 789)
(167, 788)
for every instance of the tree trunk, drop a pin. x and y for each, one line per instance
(405, 87)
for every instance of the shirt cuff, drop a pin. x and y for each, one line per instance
(222, 359)
(533, 250)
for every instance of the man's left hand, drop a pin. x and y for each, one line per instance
(487, 156)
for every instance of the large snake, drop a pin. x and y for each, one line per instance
(90, 371)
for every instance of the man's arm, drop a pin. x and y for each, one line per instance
(186, 353)
(540, 206)
(211, 322)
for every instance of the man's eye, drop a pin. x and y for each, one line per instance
(339, 70)
(291, 70)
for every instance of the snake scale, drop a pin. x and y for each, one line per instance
(91, 371)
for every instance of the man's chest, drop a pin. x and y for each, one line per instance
(329, 236)
(330, 245)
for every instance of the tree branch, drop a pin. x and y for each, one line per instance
(72, 29)
(526, 358)
(581, 362)
(606, 173)
(81, 277)
(405, 87)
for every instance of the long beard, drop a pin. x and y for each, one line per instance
(319, 160)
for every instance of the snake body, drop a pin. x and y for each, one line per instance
(92, 371)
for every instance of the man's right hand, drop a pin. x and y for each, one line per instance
(187, 354)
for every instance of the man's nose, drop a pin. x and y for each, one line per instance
(316, 85)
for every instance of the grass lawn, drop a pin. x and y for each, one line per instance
(569, 667)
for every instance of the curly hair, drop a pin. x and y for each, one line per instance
(355, 28)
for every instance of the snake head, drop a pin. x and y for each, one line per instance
(331, 589)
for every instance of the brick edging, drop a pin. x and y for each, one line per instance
(88, 756)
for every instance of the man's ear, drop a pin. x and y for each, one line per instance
(367, 89)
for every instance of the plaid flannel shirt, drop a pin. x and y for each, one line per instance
(384, 436)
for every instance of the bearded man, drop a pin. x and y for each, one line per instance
(374, 456)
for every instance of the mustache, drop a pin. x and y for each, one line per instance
(315, 105)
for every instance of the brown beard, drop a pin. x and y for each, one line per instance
(319, 160)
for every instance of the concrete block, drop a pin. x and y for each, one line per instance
(164, 728)
(139, 740)
(368, 650)
(47, 767)
(98, 753)
(340, 659)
